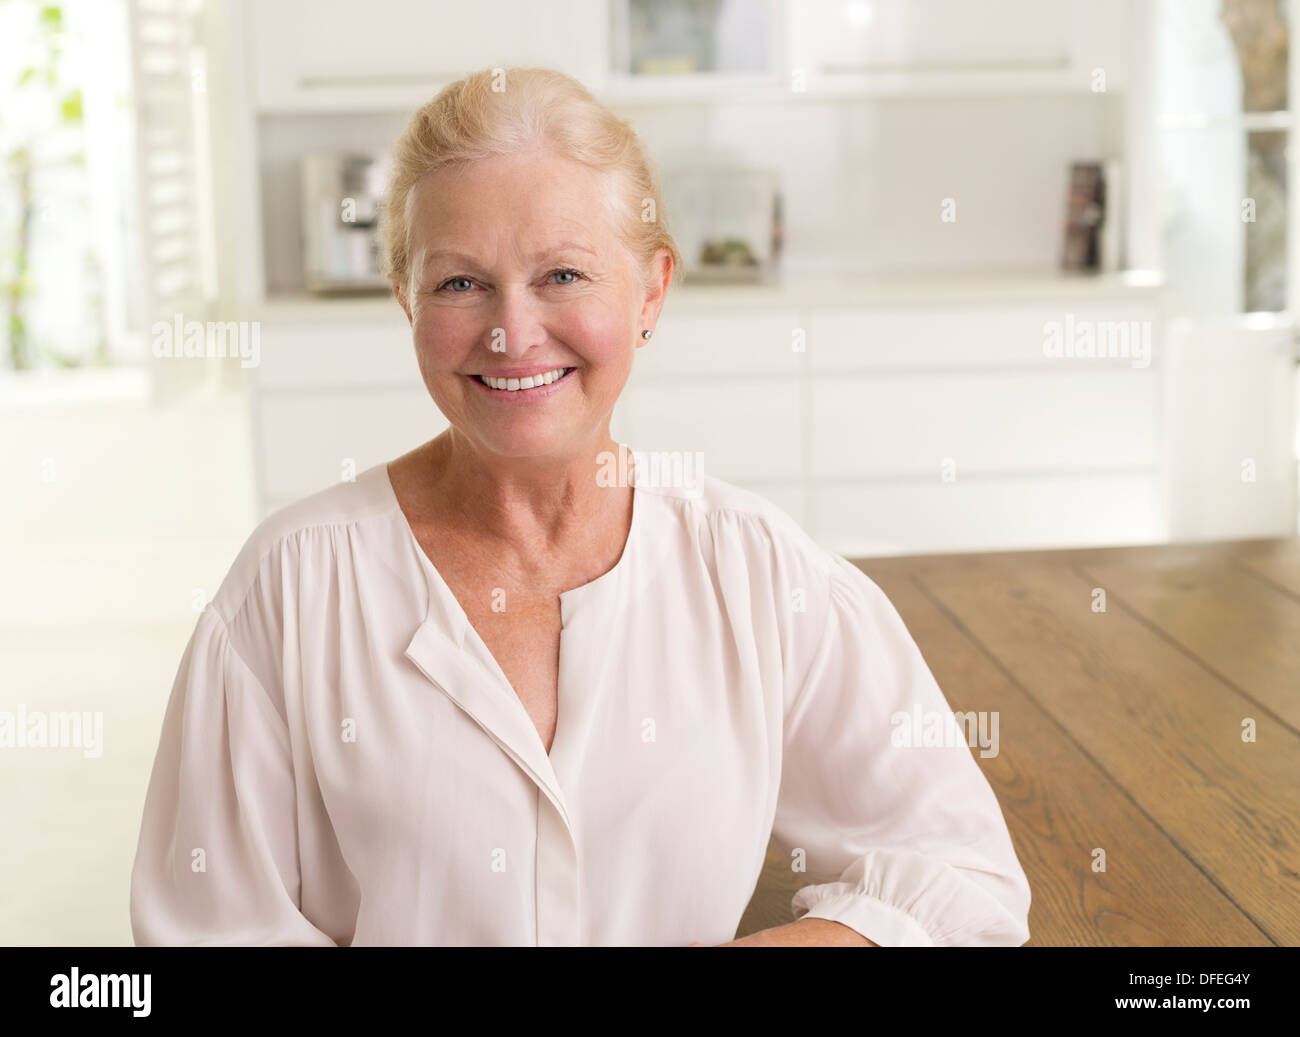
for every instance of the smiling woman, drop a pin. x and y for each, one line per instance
(487, 695)
(519, 264)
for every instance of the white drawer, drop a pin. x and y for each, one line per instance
(350, 353)
(980, 336)
(303, 440)
(747, 431)
(984, 515)
(909, 424)
(743, 343)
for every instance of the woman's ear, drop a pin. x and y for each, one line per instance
(399, 293)
(657, 289)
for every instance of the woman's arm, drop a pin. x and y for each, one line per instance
(806, 932)
(217, 860)
(901, 840)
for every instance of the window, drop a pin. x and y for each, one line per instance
(1223, 101)
(103, 208)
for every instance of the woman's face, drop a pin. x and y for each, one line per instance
(516, 272)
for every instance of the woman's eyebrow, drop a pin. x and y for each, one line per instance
(461, 257)
(565, 246)
(447, 253)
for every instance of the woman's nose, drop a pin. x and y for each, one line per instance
(517, 325)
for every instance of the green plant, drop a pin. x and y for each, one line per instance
(22, 164)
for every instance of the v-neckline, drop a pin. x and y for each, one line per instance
(570, 600)
(445, 616)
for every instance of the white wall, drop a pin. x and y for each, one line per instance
(863, 180)
(116, 512)
(1231, 428)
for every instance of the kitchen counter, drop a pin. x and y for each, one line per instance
(1006, 445)
(797, 290)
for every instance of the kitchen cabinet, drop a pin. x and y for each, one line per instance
(336, 55)
(331, 55)
(336, 391)
(907, 415)
(310, 440)
(904, 414)
(988, 424)
(956, 46)
(994, 514)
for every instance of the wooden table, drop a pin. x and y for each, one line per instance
(1122, 730)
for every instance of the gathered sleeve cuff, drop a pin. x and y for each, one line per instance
(904, 841)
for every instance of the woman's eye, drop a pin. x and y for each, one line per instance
(569, 274)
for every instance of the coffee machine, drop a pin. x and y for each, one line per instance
(341, 197)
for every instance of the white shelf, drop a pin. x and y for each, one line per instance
(406, 97)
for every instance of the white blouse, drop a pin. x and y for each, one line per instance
(343, 762)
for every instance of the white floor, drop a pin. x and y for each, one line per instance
(114, 513)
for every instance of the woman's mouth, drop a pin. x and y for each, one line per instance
(534, 386)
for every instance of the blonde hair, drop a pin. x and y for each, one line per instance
(502, 111)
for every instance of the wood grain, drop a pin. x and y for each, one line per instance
(1282, 573)
(1123, 730)
(1239, 627)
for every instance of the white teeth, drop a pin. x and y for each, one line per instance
(531, 382)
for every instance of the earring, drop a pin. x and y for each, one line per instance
(645, 333)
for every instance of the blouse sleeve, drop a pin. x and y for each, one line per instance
(911, 836)
(217, 860)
